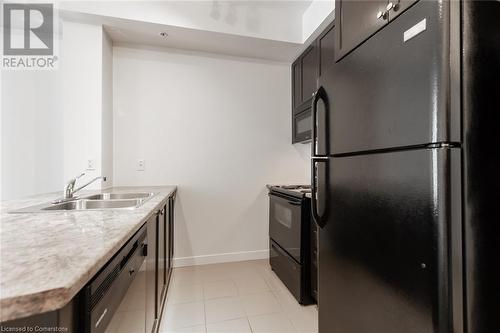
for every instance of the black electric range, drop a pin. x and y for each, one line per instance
(293, 240)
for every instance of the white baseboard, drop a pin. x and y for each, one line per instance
(221, 258)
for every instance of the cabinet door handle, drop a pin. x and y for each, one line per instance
(382, 15)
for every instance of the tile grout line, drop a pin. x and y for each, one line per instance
(249, 325)
(204, 307)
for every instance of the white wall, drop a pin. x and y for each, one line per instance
(107, 109)
(31, 133)
(52, 121)
(81, 91)
(318, 15)
(220, 129)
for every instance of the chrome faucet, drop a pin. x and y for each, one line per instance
(69, 188)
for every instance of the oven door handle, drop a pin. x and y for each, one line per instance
(316, 184)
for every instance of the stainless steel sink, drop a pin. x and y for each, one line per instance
(114, 196)
(101, 201)
(95, 204)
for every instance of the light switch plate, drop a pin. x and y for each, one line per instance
(90, 164)
(140, 165)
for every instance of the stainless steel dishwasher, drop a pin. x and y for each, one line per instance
(115, 300)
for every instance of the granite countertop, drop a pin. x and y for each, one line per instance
(47, 257)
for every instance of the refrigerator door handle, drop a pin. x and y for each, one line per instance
(319, 183)
(320, 94)
(319, 190)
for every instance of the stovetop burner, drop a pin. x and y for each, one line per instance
(295, 187)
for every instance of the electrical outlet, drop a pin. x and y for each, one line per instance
(90, 164)
(140, 165)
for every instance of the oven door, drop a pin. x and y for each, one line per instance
(285, 214)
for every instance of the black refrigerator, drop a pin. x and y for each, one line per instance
(405, 176)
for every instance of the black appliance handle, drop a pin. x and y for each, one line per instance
(320, 94)
(320, 219)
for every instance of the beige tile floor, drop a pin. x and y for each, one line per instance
(240, 297)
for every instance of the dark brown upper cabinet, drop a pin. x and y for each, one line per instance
(304, 83)
(305, 73)
(296, 84)
(326, 46)
(309, 72)
(358, 20)
(305, 76)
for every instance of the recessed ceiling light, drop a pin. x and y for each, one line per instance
(163, 34)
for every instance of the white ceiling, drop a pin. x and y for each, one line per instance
(270, 30)
(206, 41)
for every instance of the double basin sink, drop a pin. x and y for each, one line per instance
(101, 201)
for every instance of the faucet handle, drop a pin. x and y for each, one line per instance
(80, 175)
(72, 181)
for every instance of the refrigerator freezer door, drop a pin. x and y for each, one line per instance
(391, 93)
(384, 256)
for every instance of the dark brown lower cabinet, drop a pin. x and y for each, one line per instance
(161, 276)
(64, 319)
(164, 220)
(314, 260)
(168, 259)
(151, 267)
(171, 225)
(159, 267)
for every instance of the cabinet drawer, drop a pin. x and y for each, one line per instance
(287, 269)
